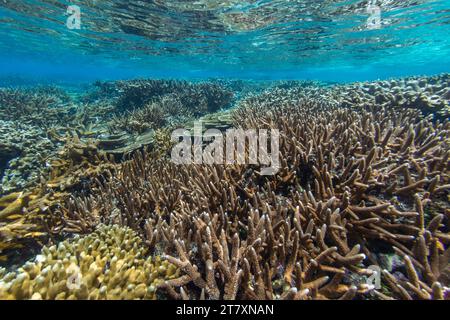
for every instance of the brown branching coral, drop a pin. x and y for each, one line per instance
(152, 116)
(210, 234)
(361, 187)
(198, 97)
(162, 143)
(380, 165)
(354, 185)
(180, 103)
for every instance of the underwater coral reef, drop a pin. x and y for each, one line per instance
(110, 263)
(363, 185)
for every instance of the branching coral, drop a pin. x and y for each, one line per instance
(16, 228)
(31, 135)
(109, 264)
(162, 143)
(430, 95)
(229, 232)
(355, 184)
(201, 96)
(173, 104)
(29, 105)
(23, 153)
(383, 167)
(362, 187)
(24, 216)
(36, 121)
(152, 116)
(76, 161)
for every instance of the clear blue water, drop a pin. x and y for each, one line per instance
(305, 39)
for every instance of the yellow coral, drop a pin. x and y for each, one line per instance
(110, 263)
(162, 142)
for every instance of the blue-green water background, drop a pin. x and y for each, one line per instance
(298, 39)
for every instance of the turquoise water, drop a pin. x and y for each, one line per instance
(306, 39)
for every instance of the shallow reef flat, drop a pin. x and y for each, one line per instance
(92, 207)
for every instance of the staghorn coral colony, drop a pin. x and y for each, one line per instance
(103, 213)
